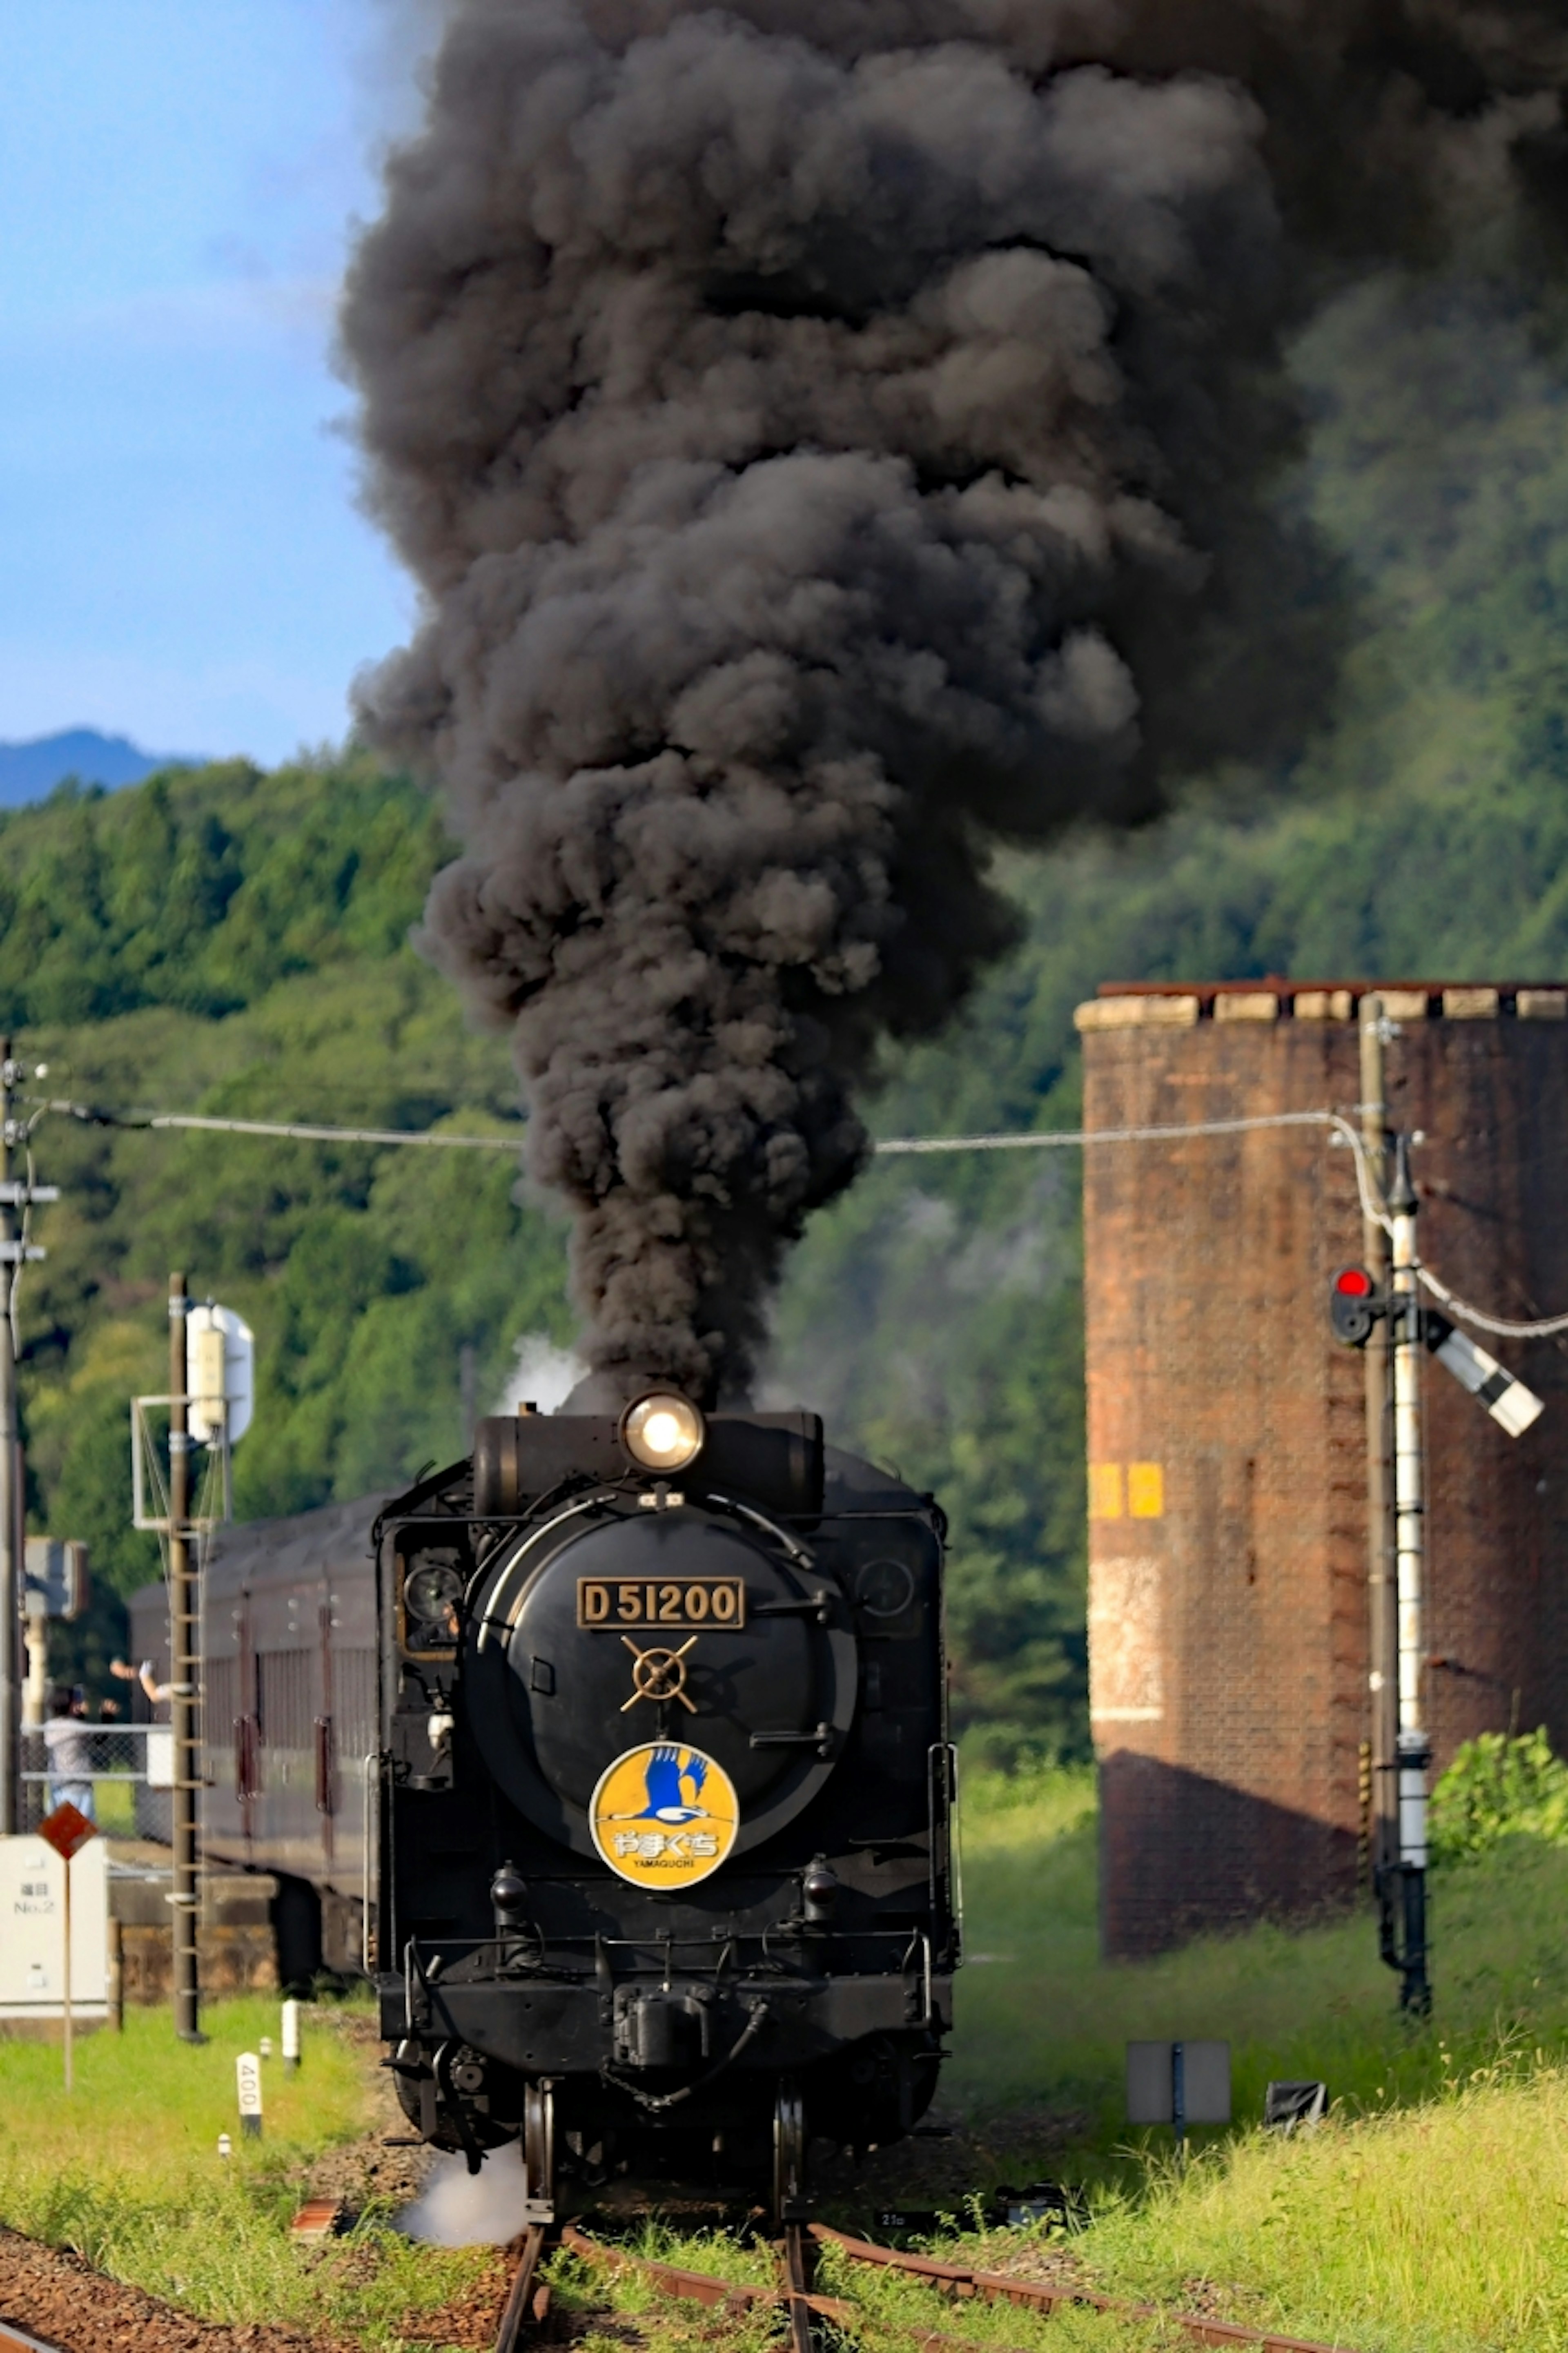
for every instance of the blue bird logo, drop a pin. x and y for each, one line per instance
(666, 1782)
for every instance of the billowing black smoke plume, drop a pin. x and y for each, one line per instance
(830, 437)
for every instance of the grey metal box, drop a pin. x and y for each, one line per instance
(1206, 2085)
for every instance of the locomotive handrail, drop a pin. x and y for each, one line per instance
(820, 1738)
(797, 1551)
(940, 1832)
(923, 1941)
(372, 1783)
(710, 1942)
(489, 1620)
(469, 1947)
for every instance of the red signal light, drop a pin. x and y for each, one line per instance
(1354, 1306)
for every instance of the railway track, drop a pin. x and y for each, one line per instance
(17, 2340)
(801, 2305)
(524, 2301)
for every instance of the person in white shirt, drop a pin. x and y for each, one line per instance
(156, 1692)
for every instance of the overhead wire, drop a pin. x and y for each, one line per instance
(1539, 1328)
(299, 1129)
(883, 1147)
(1044, 1138)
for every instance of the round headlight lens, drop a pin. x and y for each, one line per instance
(662, 1431)
(430, 1598)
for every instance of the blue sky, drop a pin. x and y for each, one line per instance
(183, 562)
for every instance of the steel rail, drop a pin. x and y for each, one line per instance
(524, 2304)
(702, 2287)
(962, 2279)
(17, 2340)
(795, 2257)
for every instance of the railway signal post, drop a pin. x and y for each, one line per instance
(1383, 1610)
(1412, 1747)
(1360, 1306)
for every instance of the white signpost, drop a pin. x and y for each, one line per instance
(247, 2069)
(32, 1930)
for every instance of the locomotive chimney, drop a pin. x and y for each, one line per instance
(610, 1389)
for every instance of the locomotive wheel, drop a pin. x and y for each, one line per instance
(539, 2152)
(790, 2203)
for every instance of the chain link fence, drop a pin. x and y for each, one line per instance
(121, 1774)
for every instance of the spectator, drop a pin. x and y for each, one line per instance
(156, 1692)
(68, 1742)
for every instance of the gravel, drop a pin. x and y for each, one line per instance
(58, 2296)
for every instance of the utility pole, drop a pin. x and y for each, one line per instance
(10, 1465)
(17, 1194)
(184, 1643)
(1412, 1747)
(1382, 1594)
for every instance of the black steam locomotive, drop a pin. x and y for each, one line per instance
(656, 1862)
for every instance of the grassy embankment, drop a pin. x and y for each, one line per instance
(1427, 2215)
(1425, 2218)
(127, 2170)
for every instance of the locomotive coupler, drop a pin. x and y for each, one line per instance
(662, 2027)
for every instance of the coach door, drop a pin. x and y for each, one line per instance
(350, 1736)
(226, 1685)
(286, 1597)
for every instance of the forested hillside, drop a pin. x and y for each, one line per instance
(226, 940)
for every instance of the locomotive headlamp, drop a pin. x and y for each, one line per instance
(662, 1431)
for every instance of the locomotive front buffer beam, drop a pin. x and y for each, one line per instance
(576, 2028)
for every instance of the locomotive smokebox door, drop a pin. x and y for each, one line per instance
(617, 1626)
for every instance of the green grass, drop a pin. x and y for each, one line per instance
(127, 2170)
(583, 2289)
(899, 2309)
(1428, 2216)
(1438, 2228)
(114, 1808)
(1042, 2019)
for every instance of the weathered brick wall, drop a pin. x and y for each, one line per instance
(236, 1948)
(1227, 1437)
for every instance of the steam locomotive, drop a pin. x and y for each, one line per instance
(618, 1758)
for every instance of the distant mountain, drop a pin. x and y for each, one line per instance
(28, 771)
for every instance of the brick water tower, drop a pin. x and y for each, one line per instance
(1229, 1582)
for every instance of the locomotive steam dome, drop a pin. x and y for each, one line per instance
(679, 1625)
